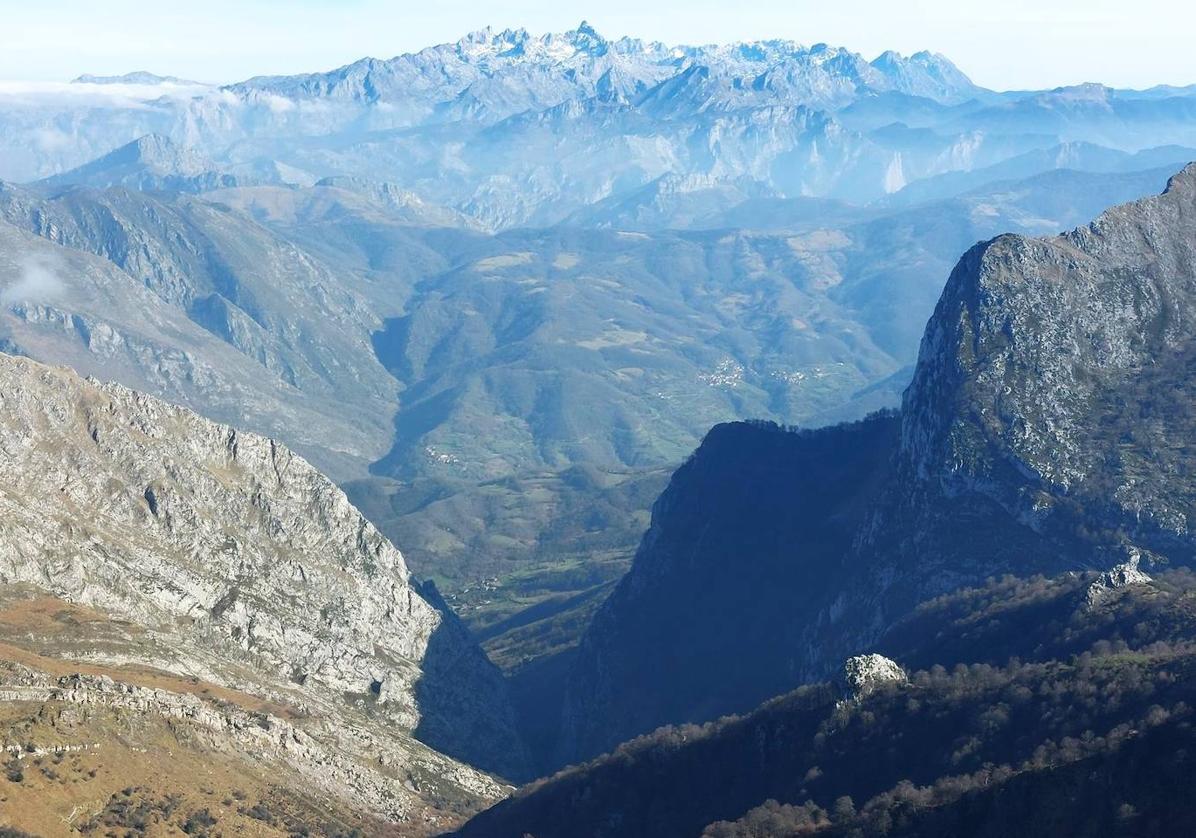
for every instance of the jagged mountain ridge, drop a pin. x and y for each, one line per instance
(545, 70)
(238, 553)
(1022, 449)
(512, 128)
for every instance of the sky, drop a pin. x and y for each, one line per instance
(1002, 44)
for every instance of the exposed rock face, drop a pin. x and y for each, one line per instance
(76, 678)
(232, 729)
(1035, 435)
(231, 542)
(1045, 430)
(863, 673)
(1119, 576)
(1033, 339)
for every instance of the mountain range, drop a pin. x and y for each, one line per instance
(515, 129)
(272, 308)
(270, 296)
(1004, 564)
(525, 302)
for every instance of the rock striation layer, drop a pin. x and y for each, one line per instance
(235, 546)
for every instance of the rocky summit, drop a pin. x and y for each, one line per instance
(153, 163)
(1046, 406)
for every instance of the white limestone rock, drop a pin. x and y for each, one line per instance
(229, 543)
(1119, 576)
(863, 673)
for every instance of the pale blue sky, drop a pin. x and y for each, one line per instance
(1002, 43)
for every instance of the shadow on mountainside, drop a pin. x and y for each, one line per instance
(464, 702)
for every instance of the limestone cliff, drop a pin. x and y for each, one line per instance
(232, 547)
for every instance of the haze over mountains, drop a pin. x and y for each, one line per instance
(499, 291)
(517, 129)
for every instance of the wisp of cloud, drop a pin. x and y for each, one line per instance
(38, 281)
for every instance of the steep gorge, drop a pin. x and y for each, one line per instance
(1047, 429)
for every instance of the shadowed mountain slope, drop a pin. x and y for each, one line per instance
(1034, 438)
(1025, 705)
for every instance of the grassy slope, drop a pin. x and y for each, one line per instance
(96, 769)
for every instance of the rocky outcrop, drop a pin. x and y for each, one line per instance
(862, 674)
(1119, 576)
(229, 543)
(1034, 339)
(259, 736)
(1034, 436)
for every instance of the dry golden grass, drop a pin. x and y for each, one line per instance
(137, 774)
(148, 776)
(48, 619)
